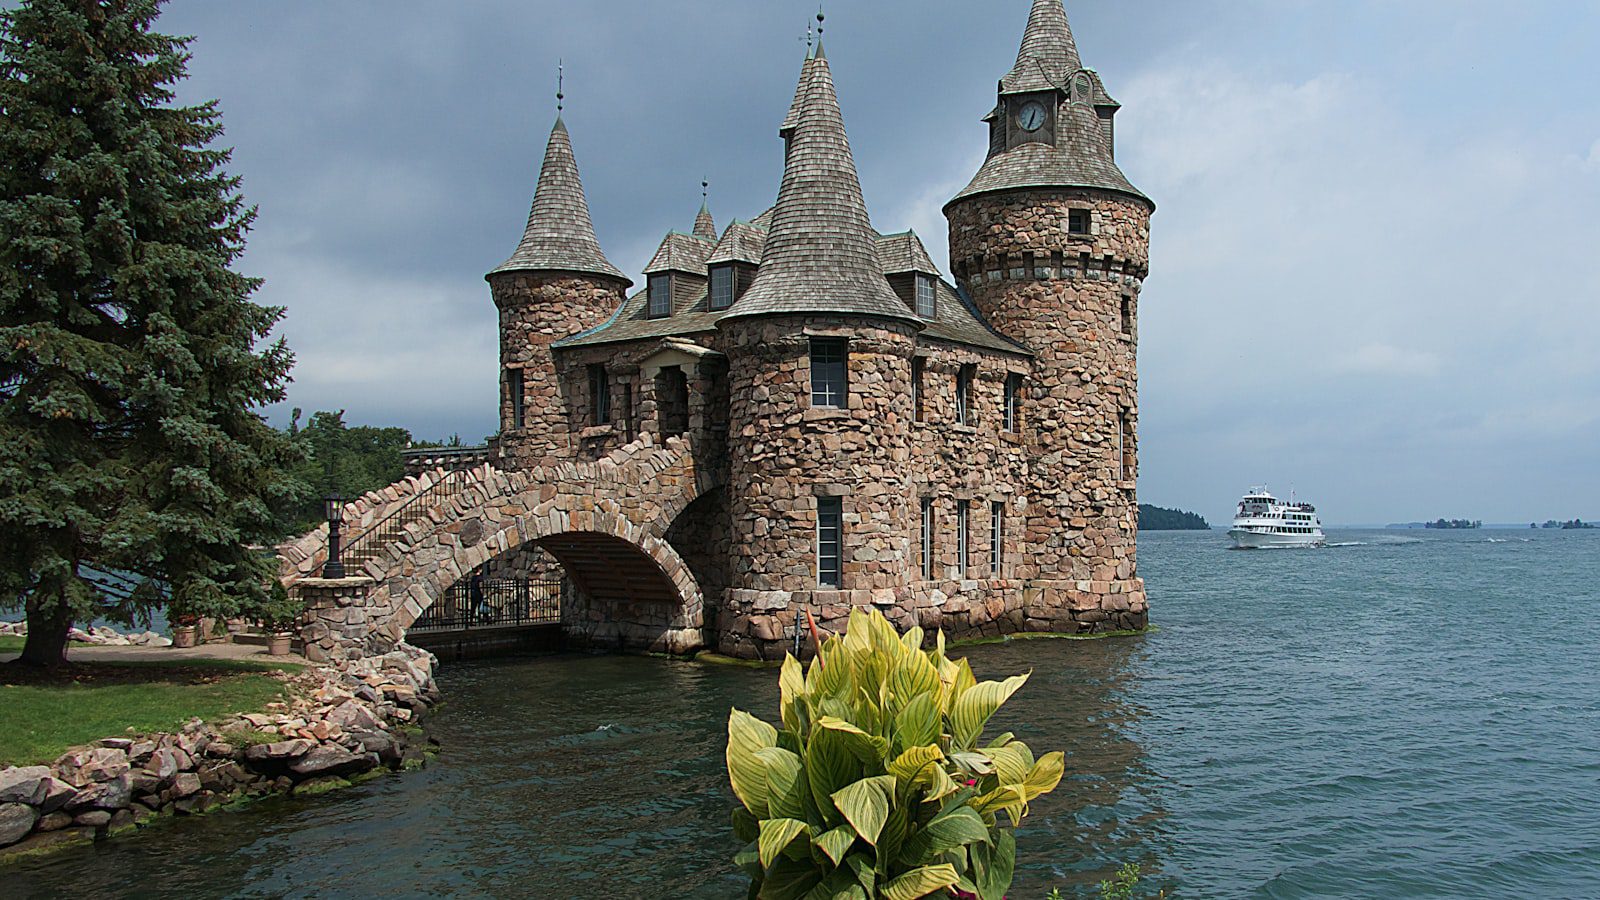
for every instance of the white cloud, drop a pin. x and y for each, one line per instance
(1387, 359)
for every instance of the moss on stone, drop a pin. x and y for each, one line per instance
(706, 656)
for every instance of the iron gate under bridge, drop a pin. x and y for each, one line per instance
(475, 603)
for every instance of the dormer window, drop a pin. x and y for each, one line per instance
(660, 296)
(721, 287)
(927, 304)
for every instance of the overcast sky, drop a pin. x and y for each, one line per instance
(1375, 263)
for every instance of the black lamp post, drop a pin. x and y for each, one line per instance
(333, 507)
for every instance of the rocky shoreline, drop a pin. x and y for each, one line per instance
(99, 636)
(337, 723)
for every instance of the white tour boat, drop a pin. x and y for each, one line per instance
(1263, 520)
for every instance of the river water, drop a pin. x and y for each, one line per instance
(1402, 714)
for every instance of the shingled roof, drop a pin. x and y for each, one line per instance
(904, 252)
(1080, 156)
(559, 235)
(742, 242)
(1048, 53)
(681, 252)
(821, 252)
(956, 319)
(704, 225)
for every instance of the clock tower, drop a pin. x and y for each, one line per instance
(1051, 242)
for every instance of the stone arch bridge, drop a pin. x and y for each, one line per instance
(605, 521)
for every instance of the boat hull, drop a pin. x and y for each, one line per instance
(1255, 540)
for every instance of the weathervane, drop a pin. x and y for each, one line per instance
(561, 83)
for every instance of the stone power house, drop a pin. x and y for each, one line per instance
(835, 421)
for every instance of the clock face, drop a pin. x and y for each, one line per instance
(1031, 116)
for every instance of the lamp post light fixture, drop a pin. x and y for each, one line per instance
(333, 507)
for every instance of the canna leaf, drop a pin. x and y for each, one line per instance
(829, 766)
(973, 707)
(1010, 763)
(836, 842)
(791, 694)
(786, 788)
(912, 766)
(954, 827)
(865, 805)
(777, 834)
(1045, 775)
(746, 772)
(920, 882)
(992, 866)
(918, 723)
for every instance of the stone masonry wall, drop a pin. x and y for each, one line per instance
(536, 309)
(784, 454)
(1072, 299)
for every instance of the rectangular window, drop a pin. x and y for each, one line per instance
(1127, 314)
(927, 537)
(514, 394)
(997, 537)
(1124, 447)
(721, 287)
(627, 408)
(916, 388)
(964, 394)
(660, 296)
(1077, 221)
(830, 522)
(927, 303)
(600, 394)
(1014, 403)
(961, 538)
(828, 368)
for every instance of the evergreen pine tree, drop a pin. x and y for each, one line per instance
(129, 363)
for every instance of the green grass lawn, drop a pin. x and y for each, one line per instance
(41, 720)
(10, 643)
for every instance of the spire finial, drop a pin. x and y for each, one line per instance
(705, 189)
(819, 23)
(561, 84)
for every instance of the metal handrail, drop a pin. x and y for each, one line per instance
(366, 545)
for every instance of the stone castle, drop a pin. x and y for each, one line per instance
(894, 437)
(801, 414)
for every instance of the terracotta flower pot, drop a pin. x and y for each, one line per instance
(278, 644)
(185, 636)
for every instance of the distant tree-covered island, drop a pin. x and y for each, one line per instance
(1156, 518)
(1453, 524)
(1570, 525)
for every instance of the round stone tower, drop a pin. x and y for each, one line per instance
(820, 351)
(556, 284)
(1051, 242)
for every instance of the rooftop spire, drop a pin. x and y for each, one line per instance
(704, 225)
(559, 235)
(1048, 54)
(821, 252)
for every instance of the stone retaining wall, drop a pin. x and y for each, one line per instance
(336, 724)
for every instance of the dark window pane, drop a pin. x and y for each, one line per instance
(722, 287)
(830, 522)
(600, 394)
(926, 305)
(828, 368)
(660, 296)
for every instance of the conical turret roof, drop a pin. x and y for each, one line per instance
(560, 236)
(1048, 54)
(821, 253)
(1080, 155)
(704, 225)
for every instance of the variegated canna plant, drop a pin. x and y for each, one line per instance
(876, 786)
